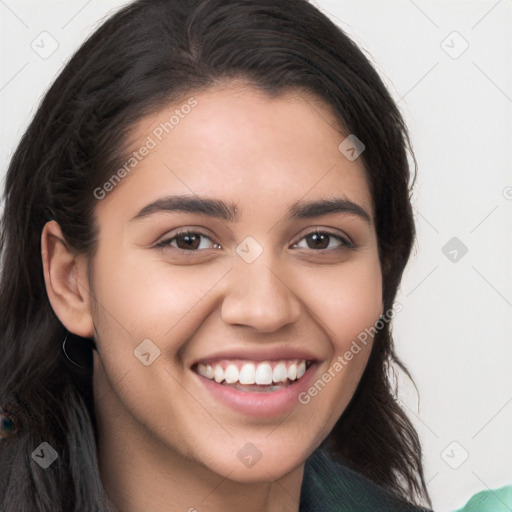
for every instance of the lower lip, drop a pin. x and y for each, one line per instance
(262, 404)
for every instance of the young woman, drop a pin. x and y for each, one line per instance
(205, 226)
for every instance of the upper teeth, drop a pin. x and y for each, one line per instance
(262, 373)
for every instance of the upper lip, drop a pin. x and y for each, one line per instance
(259, 354)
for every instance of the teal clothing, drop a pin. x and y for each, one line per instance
(499, 500)
(330, 487)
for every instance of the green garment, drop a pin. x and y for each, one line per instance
(499, 500)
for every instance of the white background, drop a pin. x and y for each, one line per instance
(455, 330)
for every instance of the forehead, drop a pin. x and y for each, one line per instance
(240, 143)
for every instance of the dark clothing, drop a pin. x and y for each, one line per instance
(330, 487)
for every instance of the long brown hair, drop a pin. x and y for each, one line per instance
(147, 55)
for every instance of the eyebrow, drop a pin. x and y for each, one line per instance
(310, 209)
(229, 211)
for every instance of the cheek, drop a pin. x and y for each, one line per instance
(148, 297)
(345, 300)
(346, 303)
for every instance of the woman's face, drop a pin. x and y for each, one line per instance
(279, 273)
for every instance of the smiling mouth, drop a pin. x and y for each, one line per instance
(254, 376)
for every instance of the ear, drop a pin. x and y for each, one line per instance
(66, 280)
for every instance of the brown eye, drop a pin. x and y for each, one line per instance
(320, 240)
(189, 241)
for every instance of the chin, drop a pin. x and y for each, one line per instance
(257, 464)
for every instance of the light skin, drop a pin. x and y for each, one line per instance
(166, 444)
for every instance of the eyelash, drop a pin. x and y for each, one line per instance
(345, 242)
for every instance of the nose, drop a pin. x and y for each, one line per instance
(259, 296)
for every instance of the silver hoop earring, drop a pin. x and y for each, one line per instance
(91, 344)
